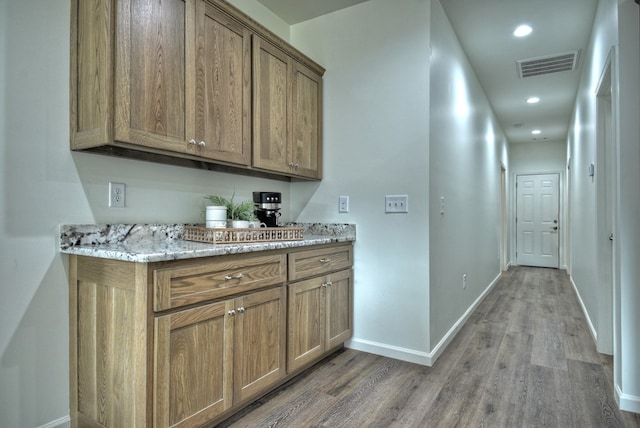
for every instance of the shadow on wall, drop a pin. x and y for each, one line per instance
(37, 355)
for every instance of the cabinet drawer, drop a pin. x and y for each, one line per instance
(224, 276)
(306, 264)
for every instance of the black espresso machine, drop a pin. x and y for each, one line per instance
(268, 205)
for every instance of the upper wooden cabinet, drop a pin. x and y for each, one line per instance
(174, 78)
(171, 75)
(287, 113)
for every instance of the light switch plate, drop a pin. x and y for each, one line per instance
(396, 204)
(343, 204)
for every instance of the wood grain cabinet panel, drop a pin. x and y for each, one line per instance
(320, 302)
(214, 356)
(193, 365)
(223, 87)
(173, 79)
(170, 76)
(186, 343)
(271, 104)
(306, 122)
(320, 317)
(181, 284)
(260, 342)
(287, 118)
(309, 263)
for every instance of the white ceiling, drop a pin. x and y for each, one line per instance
(485, 31)
(294, 11)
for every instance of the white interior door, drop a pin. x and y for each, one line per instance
(537, 211)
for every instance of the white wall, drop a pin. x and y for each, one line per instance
(42, 185)
(382, 139)
(467, 150)
(264, 16)
(376, 130)
(616, 26)
(539, 157)
(627, 349)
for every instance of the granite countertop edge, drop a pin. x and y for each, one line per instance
(156, 243)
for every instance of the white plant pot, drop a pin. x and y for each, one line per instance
(216, 213)
(239, 223)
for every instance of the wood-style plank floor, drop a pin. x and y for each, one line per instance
(525, 358)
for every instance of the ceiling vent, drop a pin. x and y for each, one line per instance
(531, 67)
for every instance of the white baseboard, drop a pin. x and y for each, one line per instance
(391, 351)
(594, 333)
(627, 402)
(412, 355)
(448, 337)
(64, 422)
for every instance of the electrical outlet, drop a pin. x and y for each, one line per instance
(343, 204)
(117, 195)
(396, 204)
(464, 281)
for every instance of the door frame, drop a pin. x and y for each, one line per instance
(504, 222)
(607, 182)
(562, 218)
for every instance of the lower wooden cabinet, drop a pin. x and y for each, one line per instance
(320, 317)
(210, 357)
(212, 350)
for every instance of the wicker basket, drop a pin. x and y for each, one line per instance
(242, 235)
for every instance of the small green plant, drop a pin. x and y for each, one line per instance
(235, 211)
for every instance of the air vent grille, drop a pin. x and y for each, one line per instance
(531, 67)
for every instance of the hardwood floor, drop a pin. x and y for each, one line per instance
(525, 358)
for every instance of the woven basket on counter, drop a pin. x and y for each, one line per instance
(242, 235)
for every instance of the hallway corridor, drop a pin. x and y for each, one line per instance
(525, 358)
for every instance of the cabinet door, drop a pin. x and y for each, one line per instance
(306, 322)
(306, 122)
(223, 87)
(154, 52)
(339, 301)
(271, 81)
(193, 365)
(260, 341)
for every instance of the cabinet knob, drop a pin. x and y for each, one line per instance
(232, 313)
(230, 277)
(202, 144)
(325, 260)
(192, 142)
(324, 285)
(241, 310)
(329, 284)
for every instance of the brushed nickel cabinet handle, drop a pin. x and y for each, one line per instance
(230, 277)
(232, 313)
(241, 310)
(202, 144)
(325, 260)
(192, 142)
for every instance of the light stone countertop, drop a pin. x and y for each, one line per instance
(145, 243)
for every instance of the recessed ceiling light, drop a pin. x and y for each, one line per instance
(522, 31)
(536, 132)
(533, 100)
